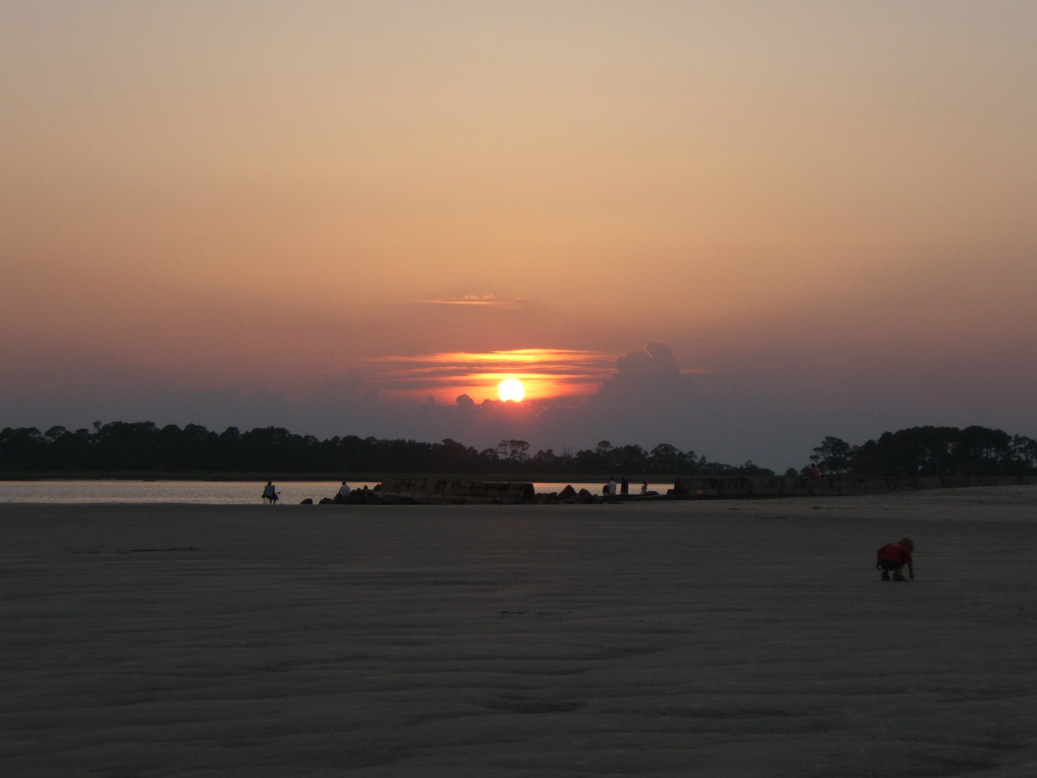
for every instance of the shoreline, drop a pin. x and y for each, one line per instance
(925, 504)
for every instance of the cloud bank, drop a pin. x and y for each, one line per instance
(645, 398)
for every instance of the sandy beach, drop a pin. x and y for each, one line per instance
(714, 638)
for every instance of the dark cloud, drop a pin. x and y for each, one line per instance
(648, 375)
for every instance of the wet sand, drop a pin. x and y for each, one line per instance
(736, 638)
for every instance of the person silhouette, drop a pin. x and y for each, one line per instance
(270, 493)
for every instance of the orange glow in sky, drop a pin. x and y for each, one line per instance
(215, 214)
(546, 374)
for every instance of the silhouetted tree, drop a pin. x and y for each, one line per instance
(934, 451)
(832, 456)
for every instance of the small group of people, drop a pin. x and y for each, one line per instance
(609, 489)
(271, 495)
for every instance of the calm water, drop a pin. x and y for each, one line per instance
(201, 492)
(207, 492)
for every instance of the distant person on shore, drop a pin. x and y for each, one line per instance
(610, 489)
(892, 557)
(644, 488)
(343, 491)
(814, 471)
(624, 486)
(270, 493)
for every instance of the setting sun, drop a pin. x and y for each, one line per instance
(511, 389)
(539, 374)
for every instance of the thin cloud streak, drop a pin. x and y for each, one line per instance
(545, 372)
(476, 300)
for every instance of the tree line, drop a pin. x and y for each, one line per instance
(144, 447)
(931, 451)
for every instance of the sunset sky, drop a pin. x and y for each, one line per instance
(733, 227)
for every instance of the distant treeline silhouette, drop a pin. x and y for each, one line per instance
(143, 447)
(929, 451)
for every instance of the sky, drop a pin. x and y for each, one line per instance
(732, 227)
